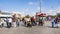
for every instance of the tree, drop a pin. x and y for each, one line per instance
(58, 15)
(27, 16)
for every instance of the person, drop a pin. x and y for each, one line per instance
(53, 21)
(7, 22)
(14, 21)
(41, 21)
(19, 20)
(29, 24)
(27, 21)
(10, 20)
(59, 22)
(33, 21)
(56, 22)
(23, 20)
(0, 24)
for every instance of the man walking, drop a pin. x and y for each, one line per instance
(7, 22)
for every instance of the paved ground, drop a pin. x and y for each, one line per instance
(46, 29)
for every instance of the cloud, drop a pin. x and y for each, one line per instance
(58, 10)
(30, 3)
(32, 13)
(4, 11)
(25, 10)
(49, 11)
(53, 11)
(33, 3)
(42, 9)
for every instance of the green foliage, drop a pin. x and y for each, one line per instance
(58, 15)
(27, 16)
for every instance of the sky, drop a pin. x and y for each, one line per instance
(50, 7)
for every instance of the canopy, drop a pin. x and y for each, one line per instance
(41, 14)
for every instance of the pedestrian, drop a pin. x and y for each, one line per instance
(53, 22)
(33, 21)
(59, 21)
(14, 21)
(0, 24)
(56, 22)
(7, 22)
(29, 24)
(17, 23)
(41, 21)
(10, 22)
(24, 21)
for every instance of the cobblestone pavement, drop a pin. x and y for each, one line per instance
(46, 29)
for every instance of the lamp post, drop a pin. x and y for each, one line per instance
(40, 6)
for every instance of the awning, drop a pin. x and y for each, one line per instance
(41, 14)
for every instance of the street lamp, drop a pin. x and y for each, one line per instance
(40, 6)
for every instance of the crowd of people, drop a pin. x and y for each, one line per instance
(27, 22)
(15, 22)
(55, 22)
(9, 21)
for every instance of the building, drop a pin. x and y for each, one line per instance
(5, 14)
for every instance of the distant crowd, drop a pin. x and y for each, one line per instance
(27, 22)
(55, 22)
(15, 22)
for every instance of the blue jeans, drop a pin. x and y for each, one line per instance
(52, 24)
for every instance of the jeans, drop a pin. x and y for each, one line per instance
(52, 24)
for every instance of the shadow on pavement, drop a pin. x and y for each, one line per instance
(52, 27)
